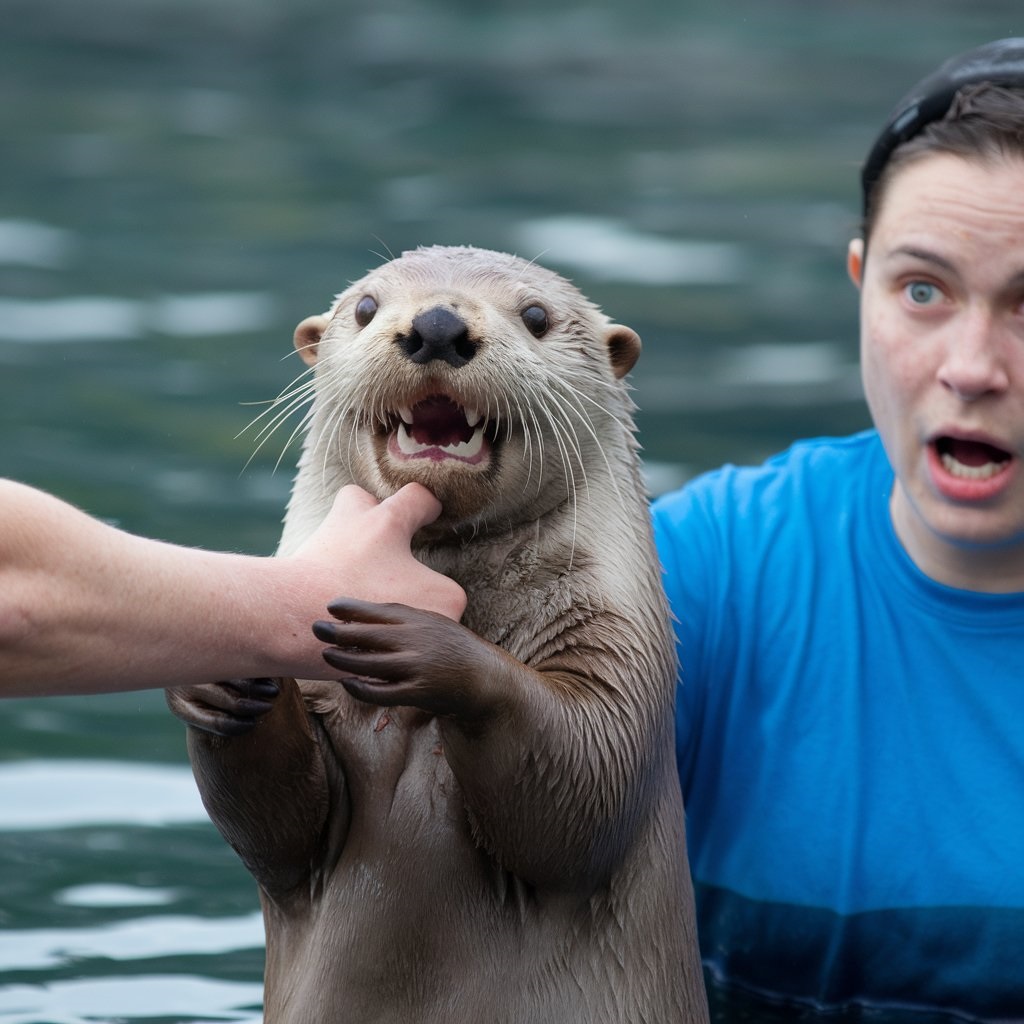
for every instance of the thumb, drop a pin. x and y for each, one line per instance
(412, 507)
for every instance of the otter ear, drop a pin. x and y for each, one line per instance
(308, 335)
(623, 348)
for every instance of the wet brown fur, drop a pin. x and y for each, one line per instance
(494, 834)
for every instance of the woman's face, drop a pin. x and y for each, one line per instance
(942, 357)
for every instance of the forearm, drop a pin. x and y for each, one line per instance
(565, 781)
(88, 608)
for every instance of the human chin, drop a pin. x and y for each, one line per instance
(970, 497)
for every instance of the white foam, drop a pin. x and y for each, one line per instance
(610, 251)
(76, 318)
(770, 363)
(101, 318)
(212, 313)
(171, 995)
(75, 793)
(27, 243)
(142, 938)
(104, 894)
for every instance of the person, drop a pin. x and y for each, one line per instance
(850, 713)
(87, 608)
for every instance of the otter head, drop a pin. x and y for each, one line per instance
(490, 380)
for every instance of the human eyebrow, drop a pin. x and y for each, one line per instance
(923, 255)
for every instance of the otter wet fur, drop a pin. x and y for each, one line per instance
(480, 822)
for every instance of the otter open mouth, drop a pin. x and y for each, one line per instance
(438, 428)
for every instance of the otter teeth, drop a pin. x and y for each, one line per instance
(408, 445)
(473, 416)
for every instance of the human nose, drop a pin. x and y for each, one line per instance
(973, 365)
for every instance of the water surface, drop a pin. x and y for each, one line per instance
(184, 181)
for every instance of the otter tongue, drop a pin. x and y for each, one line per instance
(440, 422)
(974, 453)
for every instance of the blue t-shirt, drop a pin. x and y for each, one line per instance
(850, 740)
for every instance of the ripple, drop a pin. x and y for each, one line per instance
(104, 318)
(87, 1000)
(104, 894)
(28, 243)
(610, 251)
(74, 793)
(34, 949)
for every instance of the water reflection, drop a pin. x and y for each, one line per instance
(66, 794)
(175, 997)
(608, 251)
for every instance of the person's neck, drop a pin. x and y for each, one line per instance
(986, 568)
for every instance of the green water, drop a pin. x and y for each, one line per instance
(183, 181)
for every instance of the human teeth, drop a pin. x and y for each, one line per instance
(982, 472)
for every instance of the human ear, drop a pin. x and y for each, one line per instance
(855, 261)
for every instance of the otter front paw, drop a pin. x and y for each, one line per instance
(390, 654)
(228, 708)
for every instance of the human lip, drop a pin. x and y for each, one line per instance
(969, 466)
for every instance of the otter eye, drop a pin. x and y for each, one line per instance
(366, 308)
(536, 320)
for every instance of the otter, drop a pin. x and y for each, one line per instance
(481, 821)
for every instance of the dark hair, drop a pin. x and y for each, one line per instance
(984, 122)
(998, 63)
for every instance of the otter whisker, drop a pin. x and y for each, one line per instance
(625, 425)
(569, 475)
(281, 413)
(588, 424)
(570, 435)
(527, 442)
(540, 447)
(298, 388)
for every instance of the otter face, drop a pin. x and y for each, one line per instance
(473, 373)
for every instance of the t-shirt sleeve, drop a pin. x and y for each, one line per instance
(687, 536)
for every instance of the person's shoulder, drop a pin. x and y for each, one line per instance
(825, 466)
(810, 467)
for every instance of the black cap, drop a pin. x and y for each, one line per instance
(1000, 62)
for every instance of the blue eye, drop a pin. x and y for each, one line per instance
(921, 293)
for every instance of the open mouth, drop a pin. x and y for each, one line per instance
(971, 460)
(438, 428)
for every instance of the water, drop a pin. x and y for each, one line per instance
(184, 181)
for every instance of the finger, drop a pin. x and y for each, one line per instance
(200, 715)
(372, 691)
(219, 724)
(383, 666)
(262, 688)
(246, 698)
(351, 609)
(351, 500)
(413, 506)
(359, 639)
(355, 633)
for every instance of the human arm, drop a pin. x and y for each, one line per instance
(87, 608)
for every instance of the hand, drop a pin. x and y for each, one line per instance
(392, 654)
(369, 542)
(229, 708)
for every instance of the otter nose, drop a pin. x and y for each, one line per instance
(438, 333)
